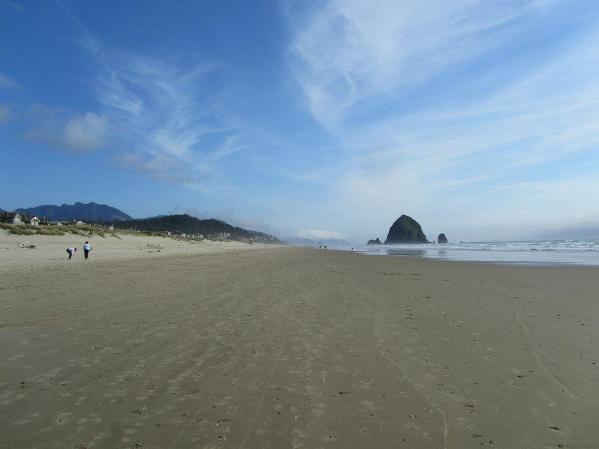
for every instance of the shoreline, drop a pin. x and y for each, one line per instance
(501, 253)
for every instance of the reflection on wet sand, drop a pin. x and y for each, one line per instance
(405, 252)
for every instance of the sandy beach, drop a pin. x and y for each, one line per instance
(15, 251)
(291, 348)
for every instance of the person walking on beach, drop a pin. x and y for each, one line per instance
(86, 249)
(71, 251)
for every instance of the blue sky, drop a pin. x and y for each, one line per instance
(308, 119)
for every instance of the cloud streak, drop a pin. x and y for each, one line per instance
(170, 127)
(349, 52)
(446, 158)
(162, 119)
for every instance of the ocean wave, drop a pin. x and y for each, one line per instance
(584, 252)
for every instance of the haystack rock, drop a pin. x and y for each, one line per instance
(406, 230)
(377, 241)
(441, 238)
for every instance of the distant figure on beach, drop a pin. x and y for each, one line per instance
(86, 249)
(71, 251)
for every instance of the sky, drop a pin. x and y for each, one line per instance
(308, 119)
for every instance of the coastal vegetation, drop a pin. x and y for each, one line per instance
(55, 229)
(101, 219)
(188, 226)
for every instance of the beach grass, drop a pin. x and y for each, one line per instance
(49, 230)
(84, 230)
(17, 229)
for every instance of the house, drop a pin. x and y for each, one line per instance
(34, 221)
(11, 218)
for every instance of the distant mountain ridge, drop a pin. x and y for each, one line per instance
(175, 224)
(186, 224)
(90, 212)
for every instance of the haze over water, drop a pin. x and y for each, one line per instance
(532, 252)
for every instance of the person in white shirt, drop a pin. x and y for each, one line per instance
(71, 251)
(86, 249)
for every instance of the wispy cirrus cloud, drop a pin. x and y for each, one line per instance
(162, 119)
(348, 52)
(168, 126)
(365, 70)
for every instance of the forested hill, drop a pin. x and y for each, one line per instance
(186, 224)
(91, 212)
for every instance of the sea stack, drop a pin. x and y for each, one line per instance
(441, 238)
(406, 230)
(376, 241)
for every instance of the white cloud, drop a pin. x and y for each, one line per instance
(160, 167)
(447, 162)
(73, 131)
(166, 123)
(87, 131)
(350, 50)
(169, 127)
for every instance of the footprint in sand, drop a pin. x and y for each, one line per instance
(62, 417)
(330, 437)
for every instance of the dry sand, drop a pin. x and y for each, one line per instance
(15, 251)
(297, 348)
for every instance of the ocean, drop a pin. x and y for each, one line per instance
(532, 252)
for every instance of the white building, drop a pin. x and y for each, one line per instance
(11, 217)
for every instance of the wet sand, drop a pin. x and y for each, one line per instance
(298, 348)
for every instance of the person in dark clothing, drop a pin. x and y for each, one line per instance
(71, 251)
